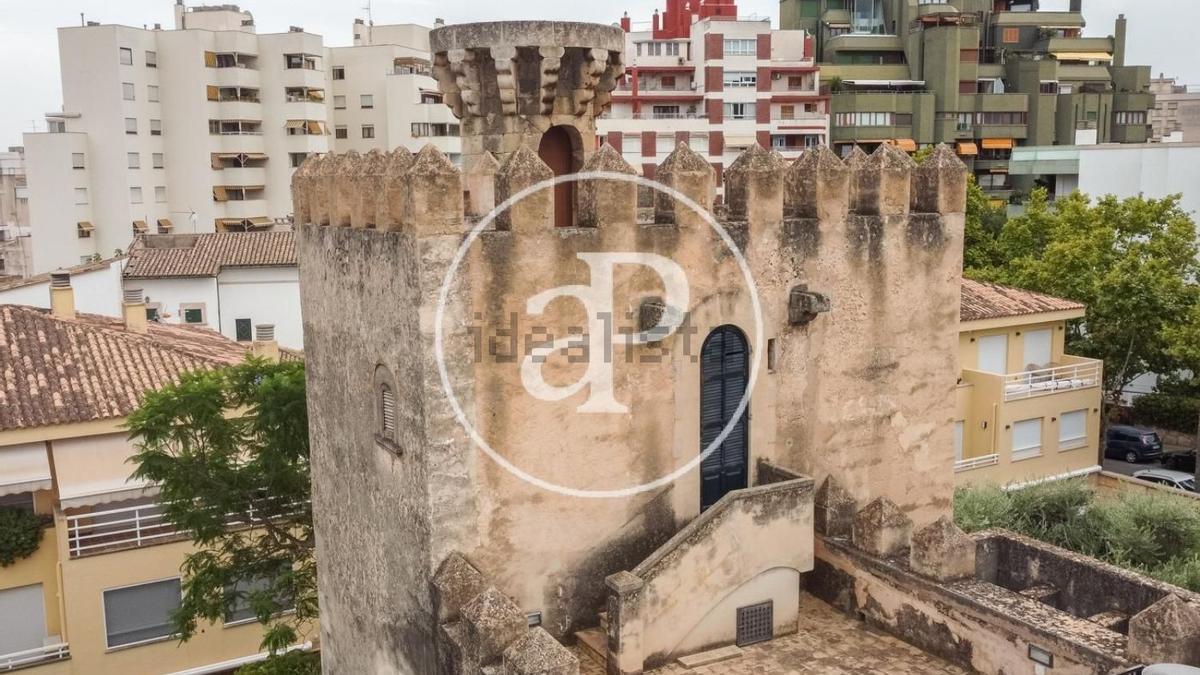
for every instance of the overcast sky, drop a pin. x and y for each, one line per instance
(1159, 34)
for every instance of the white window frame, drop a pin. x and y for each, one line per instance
(157, 161)
(339, 102)
(133, 160)
(135, 195)
(125, 55)
(128, 91)
(741, 47)
(152, 93)
(366, 101)
(739, 78)
(1022, 448)
(1037, 348)
(1075, 440)
(131, 125)
(959, 440)
(81, 193)
(78, 160)
(160, 194)
(988, 340)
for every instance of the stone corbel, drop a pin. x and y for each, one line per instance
(506, 80)
(551, 66)
(804, 305)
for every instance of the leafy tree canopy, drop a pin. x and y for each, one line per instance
(229, 450)
(1131, 261)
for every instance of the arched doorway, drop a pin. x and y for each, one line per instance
(558, 150)
(724, 375)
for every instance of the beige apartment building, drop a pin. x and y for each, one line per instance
(1176, 113)
(198, 129)
(15, 252)
(97, 594)
(1026, 410)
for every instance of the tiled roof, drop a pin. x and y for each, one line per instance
(57, 371)
(983, 300)
(10, 283)
(204, 255)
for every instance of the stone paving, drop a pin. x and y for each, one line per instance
(828, 643)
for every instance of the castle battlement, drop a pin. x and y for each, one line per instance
(425, 193)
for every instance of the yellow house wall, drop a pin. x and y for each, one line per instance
(988, 419)
(40, 568)
(85, 579)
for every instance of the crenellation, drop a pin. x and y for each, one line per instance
(302, 188)
(373, 172)
(689, 173)
(817, 186)
(433, 202)
(519, 171)
(883, 182)
(344, 197)
(390, 211)
(603, 203)
(479, 184)
(939, 184)
(321, 189)
(754, 187)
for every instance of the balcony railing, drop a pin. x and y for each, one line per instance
(1051, 380)
(654, 116)
(131, 527)
(975, 463)
(30, 657)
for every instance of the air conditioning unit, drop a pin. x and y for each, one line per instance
(694, 85)
(681, 60)
(776, 76)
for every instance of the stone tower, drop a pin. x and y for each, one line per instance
(511, 82)
(432, 553)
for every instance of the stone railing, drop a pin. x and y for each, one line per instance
(679, 600)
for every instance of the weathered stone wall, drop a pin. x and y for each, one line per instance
(863, 392)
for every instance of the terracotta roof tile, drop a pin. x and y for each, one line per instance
(57, 371)
(984, 300)
(205, 255)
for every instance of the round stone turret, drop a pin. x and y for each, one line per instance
(510, 82)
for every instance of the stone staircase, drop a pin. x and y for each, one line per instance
(594, 641)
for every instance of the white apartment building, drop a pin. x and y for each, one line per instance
(198, 129)
(718, 82)
(16, 254)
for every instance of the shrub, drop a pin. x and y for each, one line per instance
(1150, 530)
(1168, 411)
(20, 534)
(1182, 572)
(1051, 511)
(290, 663)
(980, 508)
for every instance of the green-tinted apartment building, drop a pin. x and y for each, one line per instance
(984, 75)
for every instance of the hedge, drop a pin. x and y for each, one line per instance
(1167, 411)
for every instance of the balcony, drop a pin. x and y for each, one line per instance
(130, 527)
(34, 657)
(304, 77)
(976, 463)
(1047, 381)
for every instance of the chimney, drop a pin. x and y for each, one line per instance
(264, 345)
(1076, 5)
(62, 296)
(134, 311)
(1119, 43)
(654, 23)
(626, 22)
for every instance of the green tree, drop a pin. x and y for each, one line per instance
(1131, 261)
(229, 449)
(983, 225)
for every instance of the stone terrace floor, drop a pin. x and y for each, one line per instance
(828, 643)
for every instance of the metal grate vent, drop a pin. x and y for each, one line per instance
(755, 623)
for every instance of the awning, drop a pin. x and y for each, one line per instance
(24, 468)
(254, 155)
(998, 169)
(219, 194)
(905, 144)
(295, 124)
(1082, 56)
(260, 222)
(95, 470)
(165, 224)
(140, 227)
(214, 93)
(967, 149)
(314, 127)
(997, 144)
(85, 226)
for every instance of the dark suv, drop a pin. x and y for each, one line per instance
(1132, 444)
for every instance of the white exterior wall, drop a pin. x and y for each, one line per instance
(171, 295)
(94, 115)
(96, 291)
(1152, 170)
(263, 295)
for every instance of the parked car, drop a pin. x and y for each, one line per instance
(1183, 460)
(1176, 479)
(1132, 444)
